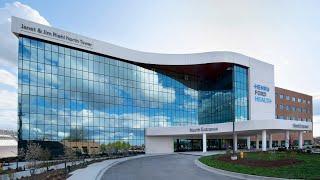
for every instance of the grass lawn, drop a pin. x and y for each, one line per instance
(307, 168)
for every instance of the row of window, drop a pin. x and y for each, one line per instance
(281, 143)
(294, 118)
(241, 93)
(293, 99)
(293, 108)
(67, 94)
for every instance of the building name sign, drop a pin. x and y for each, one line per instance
(53, 34)
(301, 126)
(261, 94)
(203, 129)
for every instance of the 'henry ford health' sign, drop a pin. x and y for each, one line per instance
(261, 93)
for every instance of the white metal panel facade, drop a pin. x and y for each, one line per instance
(260, 73)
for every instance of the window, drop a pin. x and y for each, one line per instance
(304, 101)
(287, 97)
(281, 96)
(293, 108)
(89, 97)
(281, 107)
(280, 117)
(309, 102)
(287, 107)
(299, 100)
(293, 99)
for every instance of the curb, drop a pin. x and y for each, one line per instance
(102, 171)
(232, 174)
(199, 154)
(189, 154)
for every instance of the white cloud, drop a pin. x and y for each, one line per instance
(191, 92)
(8, 110)
(190, 105)
(133, 121)
(8, 100)
(9, 43)
(138, 120)
(151, 81)
(131, 136)
(9, 57)
(8, 78)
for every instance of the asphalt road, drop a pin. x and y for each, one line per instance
(166, 167)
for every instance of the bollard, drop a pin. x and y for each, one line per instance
(241, 155)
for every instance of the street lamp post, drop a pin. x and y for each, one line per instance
(234, 155)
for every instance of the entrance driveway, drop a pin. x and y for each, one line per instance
(175, 166)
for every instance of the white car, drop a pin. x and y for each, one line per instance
(315, 149)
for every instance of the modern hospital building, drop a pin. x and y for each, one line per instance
(81, 92)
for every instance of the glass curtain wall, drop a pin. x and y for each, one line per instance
(71, 95)
(226, 99)
(240, 90)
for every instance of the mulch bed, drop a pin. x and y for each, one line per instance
(52, 175)
(260, 163)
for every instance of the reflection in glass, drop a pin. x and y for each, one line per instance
(72, 96)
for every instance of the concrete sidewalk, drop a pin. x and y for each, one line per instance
(96, 170)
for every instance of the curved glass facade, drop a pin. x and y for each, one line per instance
(71, 95)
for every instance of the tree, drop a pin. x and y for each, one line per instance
(94, 153)
(125, 148)
(118, 147)
(109, 149)
(69, 154)
(103, 148)
(45, 156)
(33, 154)
(21, 154)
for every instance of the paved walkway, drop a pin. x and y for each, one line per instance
(95, 171)
(173, 166)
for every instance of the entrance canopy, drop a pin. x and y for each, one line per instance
(247, 128)
(160, 139)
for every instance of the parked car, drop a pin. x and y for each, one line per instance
(311, 149)
(315, 149)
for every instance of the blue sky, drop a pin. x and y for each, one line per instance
(284, 33)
